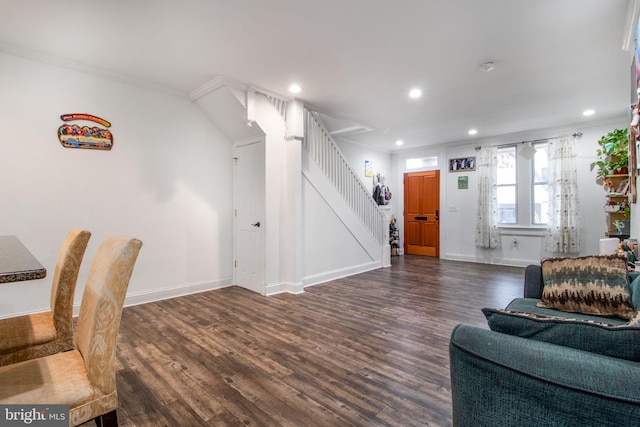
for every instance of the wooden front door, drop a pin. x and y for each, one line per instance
(422, 213)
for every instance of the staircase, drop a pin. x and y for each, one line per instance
(349, 216)
(331, 175)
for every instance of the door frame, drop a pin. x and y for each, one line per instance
(236, 195)
(438, 212)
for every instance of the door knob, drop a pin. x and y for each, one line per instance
(257, 224)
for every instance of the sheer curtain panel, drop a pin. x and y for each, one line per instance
(487, 233)
(563, 233)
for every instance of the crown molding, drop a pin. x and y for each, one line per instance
(215, 84)
(629, 38)
(45, 58)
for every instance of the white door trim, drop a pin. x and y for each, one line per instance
(249, 240)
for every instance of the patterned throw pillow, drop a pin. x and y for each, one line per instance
(591, 285)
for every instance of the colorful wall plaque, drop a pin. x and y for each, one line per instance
(83, 136)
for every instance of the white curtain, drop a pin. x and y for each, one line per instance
(563, 234)
(487, 233)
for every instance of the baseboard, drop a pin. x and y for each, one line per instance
(511, 262)
(340, 273)
(278, 288)
(166, 293)
(173, 292)
(150, 296)
(24, 313)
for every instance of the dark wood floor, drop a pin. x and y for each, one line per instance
(368, 350)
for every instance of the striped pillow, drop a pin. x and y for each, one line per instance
(591, 285)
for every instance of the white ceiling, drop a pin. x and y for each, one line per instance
(356, 60)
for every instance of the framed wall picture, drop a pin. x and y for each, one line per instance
(463, 182)
(368, 168)
(623, 187)
(462, 165)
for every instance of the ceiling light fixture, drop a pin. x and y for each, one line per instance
(473, 131)
(295, 88)
(588, 112)
(415, 93)
(399, 142)
(487, 66)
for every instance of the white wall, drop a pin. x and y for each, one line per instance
(282, 181)
(329, 250)
(167, 181)
(458, 207)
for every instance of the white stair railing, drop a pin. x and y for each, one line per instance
(279, 104)
(324, 151)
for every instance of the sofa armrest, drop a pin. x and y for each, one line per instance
(499, 379)
(533, 281)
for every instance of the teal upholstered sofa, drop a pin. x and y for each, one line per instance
(546, 371)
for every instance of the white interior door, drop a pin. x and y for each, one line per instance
(249, 200)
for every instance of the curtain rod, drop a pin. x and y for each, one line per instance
(575, 135)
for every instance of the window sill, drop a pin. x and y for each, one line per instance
(520, 230)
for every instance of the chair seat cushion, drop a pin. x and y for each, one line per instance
(57, 379)
(26, 331)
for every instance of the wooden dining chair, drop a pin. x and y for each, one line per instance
(41, 334)
(83, 378)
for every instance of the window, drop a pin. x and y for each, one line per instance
(424, 162)
(523, 185)
(540, 183)
(507, 184)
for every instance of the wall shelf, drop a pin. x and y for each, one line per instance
(617, 198)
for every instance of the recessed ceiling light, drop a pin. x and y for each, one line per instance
(295, 88)
(399, 142)
(487, 66)
(473, 131)
(415, 93)
(588, 112)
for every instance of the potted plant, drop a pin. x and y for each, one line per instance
(613, 154)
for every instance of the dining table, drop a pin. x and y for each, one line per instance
(17, 263)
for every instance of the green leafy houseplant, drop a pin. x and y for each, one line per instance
(613, 154)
